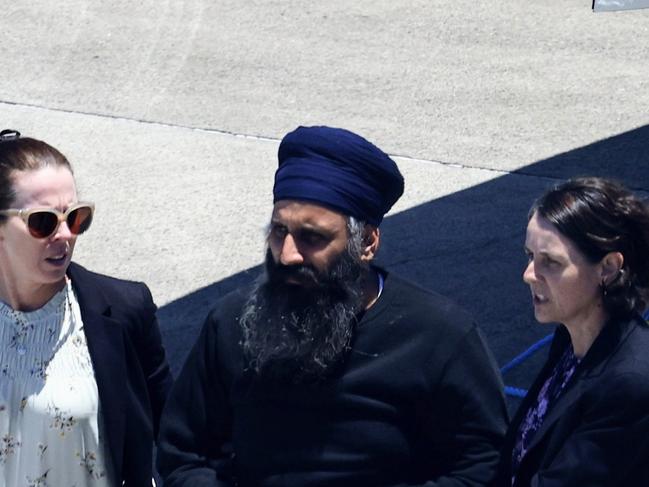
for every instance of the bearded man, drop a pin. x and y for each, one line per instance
(331, 371)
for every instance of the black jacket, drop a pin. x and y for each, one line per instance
(132, 374)
(418, 402)
(597, 433)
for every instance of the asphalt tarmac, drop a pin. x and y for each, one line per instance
(171, 113)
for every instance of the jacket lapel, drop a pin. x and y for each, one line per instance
(560, 341)
(106, 347)
(592, 365)
(564, 402)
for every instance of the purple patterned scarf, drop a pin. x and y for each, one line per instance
(548, 395)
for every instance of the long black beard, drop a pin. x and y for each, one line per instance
(297, 334)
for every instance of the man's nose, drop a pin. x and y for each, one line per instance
(290, 254)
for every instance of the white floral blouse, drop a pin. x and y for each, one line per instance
(50, 432)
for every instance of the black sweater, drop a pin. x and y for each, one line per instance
(418, 402)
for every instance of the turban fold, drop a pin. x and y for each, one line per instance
(338, 169)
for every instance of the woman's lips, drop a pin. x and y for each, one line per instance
(58, 259)
(539, 298)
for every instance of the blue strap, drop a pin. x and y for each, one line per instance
(526, 354)
(515, 391)
(519, 359)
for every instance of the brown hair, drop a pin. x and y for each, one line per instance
(601, 216)
(23, 154)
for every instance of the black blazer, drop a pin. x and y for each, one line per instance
(132, 374)
(597, 433)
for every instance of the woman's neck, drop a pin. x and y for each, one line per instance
(28, 298)
(584, 333)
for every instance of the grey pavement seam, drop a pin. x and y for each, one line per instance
(518, 172)
(139, 120)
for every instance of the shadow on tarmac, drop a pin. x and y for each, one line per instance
(467, 245)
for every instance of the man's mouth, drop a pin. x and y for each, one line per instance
(300, 281)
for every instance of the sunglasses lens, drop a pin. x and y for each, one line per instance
(80, 219)
(41, 224)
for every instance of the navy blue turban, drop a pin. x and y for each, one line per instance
(338, 169)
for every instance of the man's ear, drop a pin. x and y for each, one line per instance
(611, 264)
(371, 238)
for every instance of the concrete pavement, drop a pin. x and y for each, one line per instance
(171, 113)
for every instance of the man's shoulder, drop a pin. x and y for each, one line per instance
(229, 306)
(438, 327)
(416, 299)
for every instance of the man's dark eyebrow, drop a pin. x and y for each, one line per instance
(314, 232)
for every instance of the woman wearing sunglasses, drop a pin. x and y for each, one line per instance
(83, 374)
(585, 420)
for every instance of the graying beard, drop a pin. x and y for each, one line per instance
(297, 332)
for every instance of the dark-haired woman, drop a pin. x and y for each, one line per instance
(585, 420)
(83, 374)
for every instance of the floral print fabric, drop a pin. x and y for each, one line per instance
(49, 403)
(549, 393)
